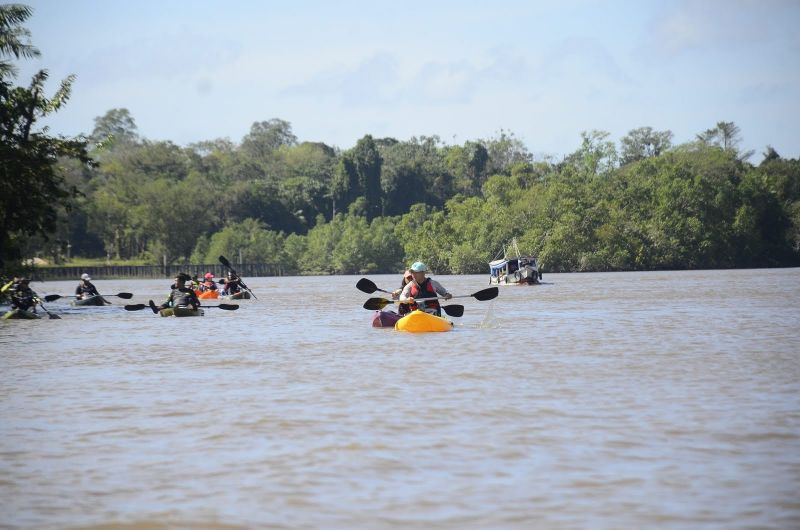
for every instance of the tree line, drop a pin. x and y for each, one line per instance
(311, 208)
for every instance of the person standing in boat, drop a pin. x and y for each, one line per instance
(85, 288)
(181, 296)
(422, 287)
(22, 296)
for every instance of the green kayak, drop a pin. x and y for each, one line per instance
(20, 314)
(181, 312)
(96, 300)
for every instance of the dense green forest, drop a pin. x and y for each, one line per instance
(311, 208)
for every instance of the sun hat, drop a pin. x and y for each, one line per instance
(209, 275)
(418, 266)
(85, 276)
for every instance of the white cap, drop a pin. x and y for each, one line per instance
(85, 276)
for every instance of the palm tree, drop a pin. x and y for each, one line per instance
(14, 39)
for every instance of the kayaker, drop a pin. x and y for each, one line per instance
(208, 283)
(181, 296)
(232, 285)
(22, 296)
(422, 287)
(402, 309)
(85, 288)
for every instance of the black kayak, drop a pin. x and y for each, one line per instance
(92, 300)
(241, 295)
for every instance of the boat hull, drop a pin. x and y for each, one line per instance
(523, 276)
(20, 314)
(207, 295)
(241, 295)
(422, 322)
(385, 319)
(96, 300)
(181, 312)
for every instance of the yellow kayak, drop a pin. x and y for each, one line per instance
(422, 322)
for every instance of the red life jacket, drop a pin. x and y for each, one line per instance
(427, 291)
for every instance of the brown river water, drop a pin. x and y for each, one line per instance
(600, 401)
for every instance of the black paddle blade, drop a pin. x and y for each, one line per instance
(152, 306)
(454, 310)
(224, 261)
(134, 307)
(366, 286)
(126, 296)
(228, 307)
(376, 303)
(52, 297)
(486, 294)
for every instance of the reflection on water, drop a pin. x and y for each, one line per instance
(629, 400)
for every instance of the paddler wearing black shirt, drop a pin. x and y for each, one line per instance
(181, 296)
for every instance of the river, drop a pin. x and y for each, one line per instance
(602, 401)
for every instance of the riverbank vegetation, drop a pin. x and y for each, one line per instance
(312, 208)
(643, 203)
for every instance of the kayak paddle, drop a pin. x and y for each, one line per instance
(49, 314)
(369, 287)
(225, 307)
(482, 295)
(52, 297)
(454, 310)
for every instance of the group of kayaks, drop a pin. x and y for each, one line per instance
(417, 321)
(179, 311)
(100, 301)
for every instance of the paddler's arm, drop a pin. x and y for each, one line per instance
(404, 295)
(440, 290)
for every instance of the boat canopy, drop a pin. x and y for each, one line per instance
(498, 266)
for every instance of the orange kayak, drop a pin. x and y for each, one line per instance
(207, 295)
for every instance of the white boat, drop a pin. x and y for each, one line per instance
(514, 268)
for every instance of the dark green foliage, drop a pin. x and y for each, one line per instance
(33, 190)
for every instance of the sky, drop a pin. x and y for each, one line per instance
(544, 71)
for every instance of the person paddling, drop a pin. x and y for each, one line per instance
(422, 287)
(208, 283)
(232, 284)
(181, 296)
(22, 296)
(402, 309)
(85, 288)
